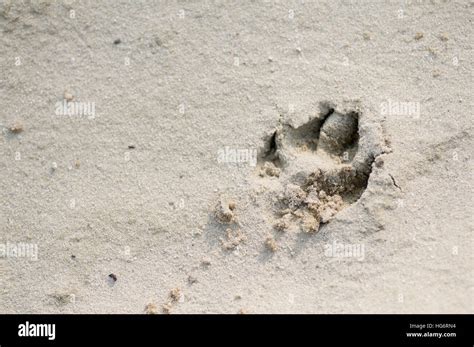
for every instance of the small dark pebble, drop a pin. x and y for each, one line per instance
(131, 147)
(16, 128)
(117, 41)
(114, 277)
(73, 256)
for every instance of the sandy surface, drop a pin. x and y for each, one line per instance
(120, 202)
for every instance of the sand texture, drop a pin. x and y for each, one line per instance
(236, 157)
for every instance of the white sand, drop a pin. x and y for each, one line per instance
(189, 79)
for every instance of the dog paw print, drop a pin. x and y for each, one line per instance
(324, 166)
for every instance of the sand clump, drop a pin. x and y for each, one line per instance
(269, 169)
(225, 211)
(151, 309)
(271, 244)
(284, 222)
(174, 297)
(233, 239)
(175, 294)
(309, 206)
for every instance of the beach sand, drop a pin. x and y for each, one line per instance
(236, 157)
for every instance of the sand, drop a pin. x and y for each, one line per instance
(236, 157)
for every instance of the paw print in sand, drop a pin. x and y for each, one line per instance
(324, 166)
